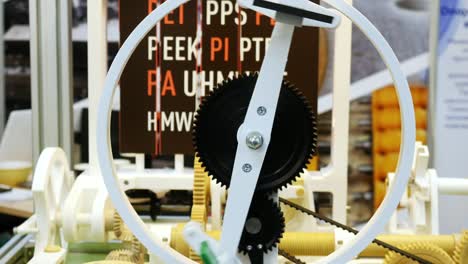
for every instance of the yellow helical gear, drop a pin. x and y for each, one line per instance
(117, 225)
(201, 185)
(460, 255)
(121, 231)
(122, 255)
(193, 256)
(139, 251)
(199, 214)
(427, 251)
(127, 235)
(177, 240)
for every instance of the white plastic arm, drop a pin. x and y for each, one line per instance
(377, 223)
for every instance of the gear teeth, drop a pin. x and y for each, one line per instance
(427, 251)
(138, 250)
(127, 235)
(199, 214)
(217, 92)
(200, 198)
(200, 185)
(265, 203)
(193, 256)
(460, 254)
(121, 231)
(313, 145)
(117, 226)
(218, 182)
(122, 255)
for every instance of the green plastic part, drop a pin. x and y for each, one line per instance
(207, 255)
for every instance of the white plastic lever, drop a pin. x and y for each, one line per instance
(311, 14)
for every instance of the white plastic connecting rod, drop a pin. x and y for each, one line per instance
(266, 94)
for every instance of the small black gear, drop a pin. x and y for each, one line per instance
(293, 138)
(263, 227)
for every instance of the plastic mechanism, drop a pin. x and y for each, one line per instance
(288, 15)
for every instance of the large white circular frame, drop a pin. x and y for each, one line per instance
(344, 253)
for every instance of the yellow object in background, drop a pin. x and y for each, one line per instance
(429, 252)
(389, 118)
(13, 173)
(388, 141)
(386, 132)
(387, 97)
(383, 164)
(313, 164)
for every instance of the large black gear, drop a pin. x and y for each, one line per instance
(264, 226)
(293, 139)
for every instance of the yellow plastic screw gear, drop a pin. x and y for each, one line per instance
(429, 252)
(201, 184)
(460, 254)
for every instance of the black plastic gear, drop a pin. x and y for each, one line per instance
(264, 226)
(293, 139)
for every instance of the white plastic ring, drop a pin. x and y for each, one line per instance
(344, 253)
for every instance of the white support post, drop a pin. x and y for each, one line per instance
(51, 75)
(334, 178)
(340, 121)
(179, 162)
(97, 70)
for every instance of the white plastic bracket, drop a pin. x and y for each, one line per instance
(309, 13)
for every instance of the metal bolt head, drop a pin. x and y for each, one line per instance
(247, 167)
(260, 246)
(261, 110)
(254, 140)
(249, 247)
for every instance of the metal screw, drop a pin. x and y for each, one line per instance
(249, 248)
(254, 140)
(259, 246)
(261, 110)
(246, 167)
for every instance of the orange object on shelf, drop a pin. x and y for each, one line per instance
(389, 118)
(389, 140)
(387, 97)
(383, 164)
(386, 131)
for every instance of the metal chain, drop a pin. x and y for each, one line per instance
(349, 229)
